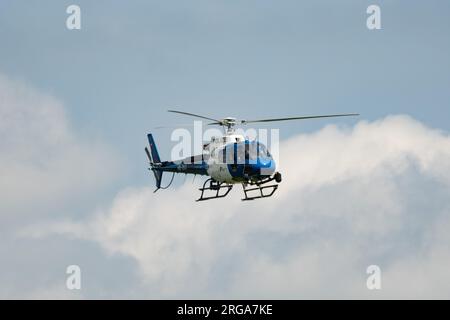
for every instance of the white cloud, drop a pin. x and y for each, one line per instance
(378, 193)
(46, 170)
(43, 163)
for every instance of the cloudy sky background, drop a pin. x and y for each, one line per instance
(75, 107)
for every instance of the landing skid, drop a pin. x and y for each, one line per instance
(259, 187)
(249, 187)
(261, 194)
(214, 186)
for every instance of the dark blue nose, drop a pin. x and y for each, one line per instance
(267, 166)
(262, 167)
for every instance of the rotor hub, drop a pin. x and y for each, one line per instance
(229, 122)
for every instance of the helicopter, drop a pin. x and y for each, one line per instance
(228, 160)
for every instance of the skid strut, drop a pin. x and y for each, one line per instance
(214, 186)
(251, 186)
(261, 193)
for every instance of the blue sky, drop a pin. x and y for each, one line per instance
(131, 61)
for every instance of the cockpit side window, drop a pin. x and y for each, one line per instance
(263, 152)
(248, 153)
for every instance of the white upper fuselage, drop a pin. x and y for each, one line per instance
(217, 169)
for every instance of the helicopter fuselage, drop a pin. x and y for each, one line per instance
(228, 160)
(234, 159)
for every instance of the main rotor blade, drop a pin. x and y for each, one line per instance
(193, 115)
(175, 126)
(301, 118)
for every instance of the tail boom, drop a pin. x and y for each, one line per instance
(191, 165)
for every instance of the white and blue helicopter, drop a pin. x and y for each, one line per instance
(227, 160)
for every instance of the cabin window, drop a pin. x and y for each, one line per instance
(230, 154)
(241, 153)
(222, 156)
